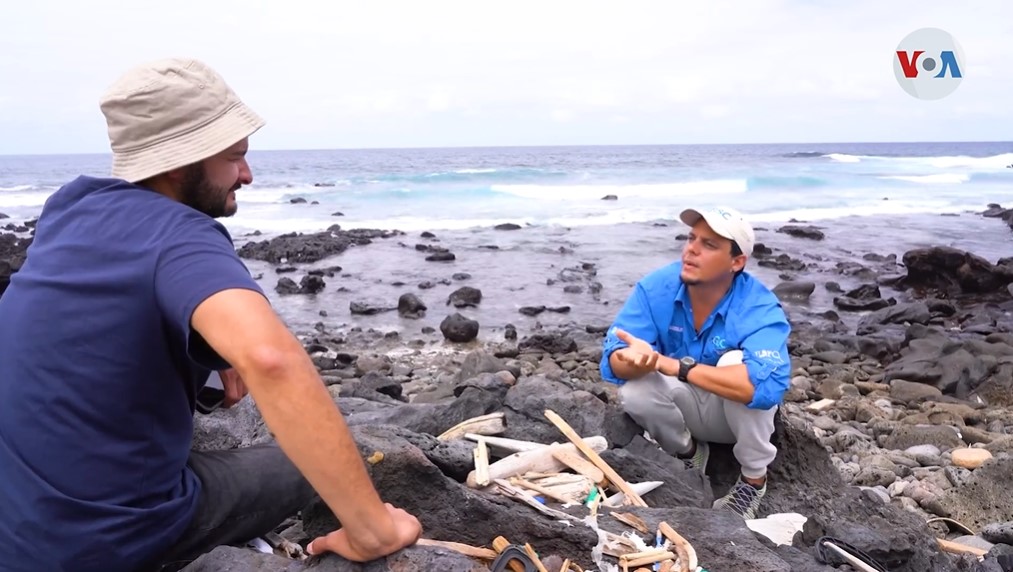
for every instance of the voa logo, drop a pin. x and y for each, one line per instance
(929, 64)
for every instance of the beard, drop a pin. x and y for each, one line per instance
(691, 281)
(200, 194)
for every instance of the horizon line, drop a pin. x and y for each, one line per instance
(534, 146)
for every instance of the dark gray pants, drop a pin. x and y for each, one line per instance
(245, 493)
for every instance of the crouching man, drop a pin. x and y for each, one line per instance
(700, 351)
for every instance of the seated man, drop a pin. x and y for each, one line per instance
(700, 350)
(131, 294)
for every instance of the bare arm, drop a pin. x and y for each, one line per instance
(730, 382)
(243, 328)
(625, 366)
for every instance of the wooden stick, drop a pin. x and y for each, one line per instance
(615, 545)
(524, 497)
(539, 460)
(574, 488)
(592, 455)
(619, 499)
(579, 464)
(467, 550)
(500, 544)
(538, 489)
(645, 554)
(566, 566)
(687, 555)
(667, 566)
(651, 559)
(957, 548)
(632, 520)
(512, 445)
(491, 424)
(534, 558)
(481, 464)
(855, 562)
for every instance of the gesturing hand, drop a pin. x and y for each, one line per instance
(638, 354)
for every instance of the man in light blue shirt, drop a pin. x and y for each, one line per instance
(700, 351)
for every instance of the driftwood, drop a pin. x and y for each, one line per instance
(685, 551)
(632, 520)
(481, 455)
(578, 464)
(539, 489)
(491, 424)
(647, 557)
(523, 496)
(512, 445)
(854, 562)
(957, 548)
(500, 544)
(643, 488)
(534, 558)
(537, 460)
(631, 496)
(573, 488)
(467, 550)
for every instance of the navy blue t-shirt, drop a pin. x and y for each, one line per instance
(98, 372)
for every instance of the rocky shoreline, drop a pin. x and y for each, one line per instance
(896, 431)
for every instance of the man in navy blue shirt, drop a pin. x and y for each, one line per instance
(700, 351)
(131, 295)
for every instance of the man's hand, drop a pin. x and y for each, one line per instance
(406, 530)
(639, 357)
(235, 388)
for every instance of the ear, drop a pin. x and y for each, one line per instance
(175, 176)
(739, 262)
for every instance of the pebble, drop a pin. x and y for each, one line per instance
(922, 450)
(878, 493)
(970, 458)
(999, 532)
(897, 488)
(801, 383)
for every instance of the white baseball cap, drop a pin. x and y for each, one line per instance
(726, 222)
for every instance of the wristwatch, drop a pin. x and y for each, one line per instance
(685, 364)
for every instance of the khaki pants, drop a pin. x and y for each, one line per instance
(675, 412)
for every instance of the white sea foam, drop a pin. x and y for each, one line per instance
(877, 209)
(941, 178)
(474, 171)
(644, 190)
(24, 198)
(992, 162)
(843, 158)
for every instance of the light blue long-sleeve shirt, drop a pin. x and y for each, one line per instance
(748, 318)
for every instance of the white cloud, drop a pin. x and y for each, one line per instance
(401, 73)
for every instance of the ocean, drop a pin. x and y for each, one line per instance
(876, 197)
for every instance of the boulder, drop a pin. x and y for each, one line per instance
(298, 247)
(950, 271)
(411, 306)
(458, 328)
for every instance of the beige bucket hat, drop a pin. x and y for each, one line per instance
(171, 113)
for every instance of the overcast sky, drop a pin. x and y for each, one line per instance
(431, 73)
